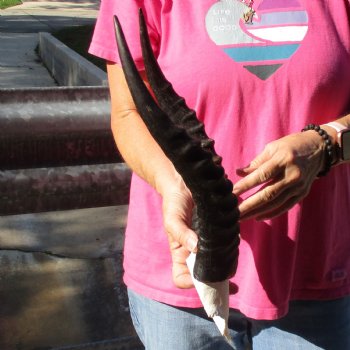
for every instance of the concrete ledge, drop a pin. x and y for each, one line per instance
(61, 281)
(49, 302)
(68, 67)
(91, 233)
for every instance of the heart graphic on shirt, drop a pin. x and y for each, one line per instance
(263, 42)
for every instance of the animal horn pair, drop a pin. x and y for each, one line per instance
(182, 138)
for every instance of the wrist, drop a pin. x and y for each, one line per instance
(169, 182)
(327, 145)
(341, 139)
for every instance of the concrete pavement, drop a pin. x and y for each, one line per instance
(20, 65)
(47, 16)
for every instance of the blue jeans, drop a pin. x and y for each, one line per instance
(309, 325)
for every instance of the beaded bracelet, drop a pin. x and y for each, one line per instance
(329, 147)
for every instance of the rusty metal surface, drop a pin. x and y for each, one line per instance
(43, 150)
(62, 188)
(55, 126)
(58, 109)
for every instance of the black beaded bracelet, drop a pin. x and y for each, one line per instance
(329, 147)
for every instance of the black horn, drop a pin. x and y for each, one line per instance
(169, 101)
(183, 140)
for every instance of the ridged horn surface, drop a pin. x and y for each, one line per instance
(216, 207)
(169, 101)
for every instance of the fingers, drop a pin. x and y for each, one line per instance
(277, 196)
(284, 171)
(180, 233)
(177, 213)
(181, 276)
(182, 241)
(254, 164)
(180, 272)
(255, 175)
(187, 238)
(262, 210)
(267, 198)
(288, 204)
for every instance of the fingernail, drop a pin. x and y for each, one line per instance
(241, 171)
(192, 244)
(244, 167)
(235, 189)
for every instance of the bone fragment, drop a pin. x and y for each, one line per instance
(215, 299)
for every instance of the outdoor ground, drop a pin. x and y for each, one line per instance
(77, 38)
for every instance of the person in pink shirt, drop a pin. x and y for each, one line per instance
(256, 73)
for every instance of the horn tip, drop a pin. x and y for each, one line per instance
(117, 25)
(116, 20)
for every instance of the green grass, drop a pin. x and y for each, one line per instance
(78, 39)
(9, 3)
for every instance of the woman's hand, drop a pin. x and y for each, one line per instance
(156, 169)
(177, 215)
(286, 170)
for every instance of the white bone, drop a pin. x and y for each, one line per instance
(214, 297)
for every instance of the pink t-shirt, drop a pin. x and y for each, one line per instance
(250, 83)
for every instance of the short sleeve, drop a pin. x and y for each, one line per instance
(103, 42)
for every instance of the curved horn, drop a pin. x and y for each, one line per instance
(169, 101)
(217, 212)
